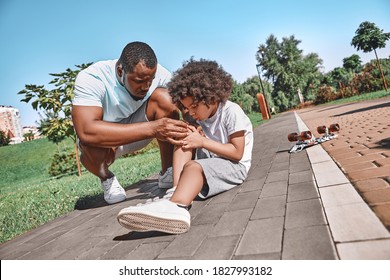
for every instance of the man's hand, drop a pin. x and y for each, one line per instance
(171, 130)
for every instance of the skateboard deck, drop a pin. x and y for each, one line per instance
(305, 139)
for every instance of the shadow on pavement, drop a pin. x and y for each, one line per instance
(384, 105)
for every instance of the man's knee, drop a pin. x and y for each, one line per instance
(95, 155)
(160, 105)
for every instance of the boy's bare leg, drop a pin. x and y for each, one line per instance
(190, 183)
(180, 158)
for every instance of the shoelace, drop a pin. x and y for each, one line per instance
(167, 195)
(109, 186)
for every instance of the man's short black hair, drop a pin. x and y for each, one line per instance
(134, 52)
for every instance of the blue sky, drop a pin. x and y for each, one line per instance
(41, 37)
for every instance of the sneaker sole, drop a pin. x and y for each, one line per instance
(142, 222)
(164, 185)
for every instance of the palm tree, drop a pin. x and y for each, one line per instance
(369, 38)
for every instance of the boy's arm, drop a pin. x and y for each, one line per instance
(233, 150)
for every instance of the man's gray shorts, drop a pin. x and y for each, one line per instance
(137, 117)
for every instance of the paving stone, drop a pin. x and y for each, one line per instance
(232, 223)
(301, 177)
(217, 248)
(244, 200)
(269, 207)
(258, 173)
(365, 250)
(316, 154)
(369, 173)
(185, 245)
(253, 185)
(304, 213)
(358, 166)
(277, 176)
(210, 214)
(339, 195)
(147, 251)
(347, 221)
(299, 166)
(362, 158)
(309, 243)
(281, 166)
(225, 196)
(97, 250)
(265, 256)
(327, 174)
(371, 184)
(274, 189)
(383, 212)
(262, 236)
(376, 197)
(302, 191)
(383, 162)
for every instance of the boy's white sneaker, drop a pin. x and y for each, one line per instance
(165, 181)
(113, 191)
(162, 215)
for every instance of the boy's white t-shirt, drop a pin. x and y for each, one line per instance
(229, 119)
(98, 86)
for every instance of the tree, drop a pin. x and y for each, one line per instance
(288, 70)
(368, 38)
(352, 63)
(4, 139)
(56, 104)
(241, 97)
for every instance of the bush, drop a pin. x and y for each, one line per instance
(326, 94)
(63, 163)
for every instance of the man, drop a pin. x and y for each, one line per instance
(119, 107)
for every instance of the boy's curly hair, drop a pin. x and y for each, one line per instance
(203, 80)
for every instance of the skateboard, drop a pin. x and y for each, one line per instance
(305, 139)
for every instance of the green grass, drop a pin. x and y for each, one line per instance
(30, 198)
(256, 118)
(361, 97)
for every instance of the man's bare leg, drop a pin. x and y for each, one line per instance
(97, 160)
(159, 106)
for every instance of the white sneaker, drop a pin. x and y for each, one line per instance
(162, 215)
(165, 181)
(168, 194)
(113, 191)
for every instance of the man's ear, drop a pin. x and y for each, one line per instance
(119, 70)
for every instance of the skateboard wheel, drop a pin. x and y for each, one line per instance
(306, 135)
(292, 137)
(321, 129)
(334, 127)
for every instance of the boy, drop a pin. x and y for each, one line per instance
(209, 160)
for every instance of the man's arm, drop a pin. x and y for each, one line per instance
(93, 131)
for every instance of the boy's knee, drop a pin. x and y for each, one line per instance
(192, 165)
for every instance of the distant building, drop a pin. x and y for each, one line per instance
(10, 123)
(30, 133)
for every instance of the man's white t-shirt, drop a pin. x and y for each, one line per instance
(228, 119)
(98, 86)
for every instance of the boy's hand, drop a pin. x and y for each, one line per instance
(194, 139)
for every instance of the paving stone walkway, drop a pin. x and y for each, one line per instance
(292, 206)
